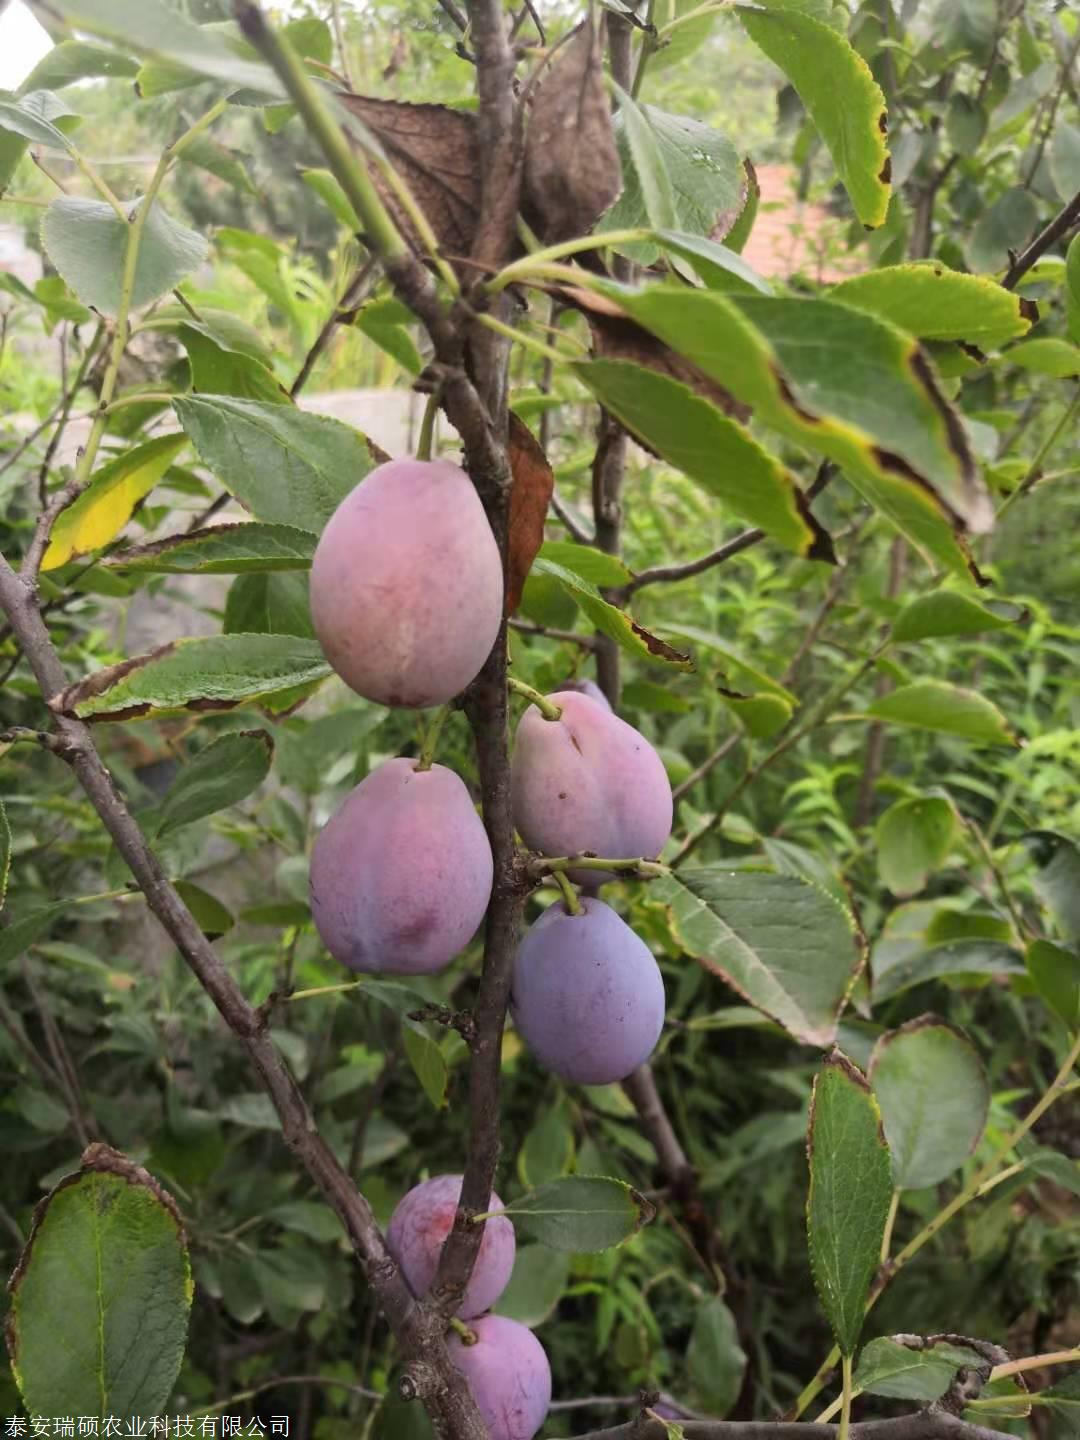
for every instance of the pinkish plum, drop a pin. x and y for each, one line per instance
(401, 875)
(418, 1229)
(508, 1374)
(587, 995)
(406, 584)
(588, 782)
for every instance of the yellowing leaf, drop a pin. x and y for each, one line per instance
(107, 503)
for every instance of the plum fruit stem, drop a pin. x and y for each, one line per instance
(468, 1337)
(427, 427)
(431, 738)
(637, 868)
(570, 899)
(542, 703)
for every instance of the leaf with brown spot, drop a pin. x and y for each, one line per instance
(534, 481)
(572, 169)
(434, 150)
(219, 672)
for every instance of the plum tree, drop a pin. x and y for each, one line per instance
(406, 584)
(588, 782)
(419, 1227)
(401, 874)
(589, 688)
(508, 1374)
(587, 995)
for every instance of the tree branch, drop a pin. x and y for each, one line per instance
(924, 1425)
(419, 1329)
(1057, 229)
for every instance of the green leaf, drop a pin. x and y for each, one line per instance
(717, 453)
(966, 123)
(211, 916)
(913, 839)
(938, 962)
(719, 267)
(1046, 356)
(273, 602)
(948, 612)
(715, 1361)
(285, 465)
(682, 42)
(967, 26)
(1072, 288)
(624, 630)
(762, 715)
(73, 60)
(947, 709)
(785, 945)
(221, 550)
(648, 196)
(1065, 157)
(536, 1285)
(27, 118)
(1057, 878)
(679, 175)
(330, 192)
(223, 774)
(581, 1213)
(547, 1151)
(386, 322)
(427, 1060)
(840, 94)
(5, 854)
(850, 1194)
(1056, 975)
(156, 30)
(107, 503)
(215, 673)
(86, 240)
(591, 564)
(216, 159)
(1064, 1400)
(18, 935)
(901, 1372)
(934, 1098)
(308, 1217)
(839, 381)
(935, 303)
(1007, 225)
(101, 1295)
(1052, 1165)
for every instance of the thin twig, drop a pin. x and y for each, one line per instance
(1057, 229)
(550, 632)
(355, 291)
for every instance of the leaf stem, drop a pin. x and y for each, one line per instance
(640, 868)
(1034, 470)
(845, 1398)
(890, 1221)
(323, 990)
(546, 352)
(569, 894)
(525, 267)
(542, 703)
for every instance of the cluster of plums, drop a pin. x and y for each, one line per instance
(407, 602)
(407, 597)
(502, 1360)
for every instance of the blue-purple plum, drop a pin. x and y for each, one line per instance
(418, 1229)
(406, 584)
(587, 996)
(588, 782)
(508, 1374)
(401, 875)
(589, 688)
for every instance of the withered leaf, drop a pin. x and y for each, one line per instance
(530, 496)
(434, 150)
(572, 169)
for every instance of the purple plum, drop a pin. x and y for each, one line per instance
(418, 1229)
(589, 688)
(401, 874)
(508, 1374)
(588, 782)
(407, 584)
(587, 996)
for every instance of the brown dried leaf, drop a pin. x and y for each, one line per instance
(434, 150)
(572, 169)
(529, 499)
